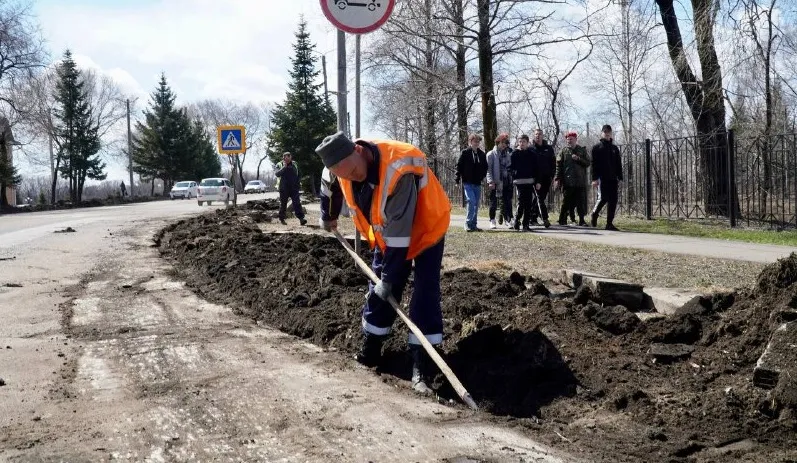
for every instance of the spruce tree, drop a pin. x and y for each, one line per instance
(169, 146)
(77, 131)
(306, 117)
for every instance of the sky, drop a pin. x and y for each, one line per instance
(238, 50)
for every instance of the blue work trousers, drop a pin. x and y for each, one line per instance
(425, 309)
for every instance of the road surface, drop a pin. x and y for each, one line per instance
(105, 357)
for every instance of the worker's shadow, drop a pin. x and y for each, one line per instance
(510, 372)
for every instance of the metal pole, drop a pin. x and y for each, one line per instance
(357, 88)
(342, 106)
(731, 151)
(342, 81)
(648, 182)
(326, 89)
(129, 149)
(234, 175)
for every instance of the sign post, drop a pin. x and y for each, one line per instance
(355, 17)
(232, 141)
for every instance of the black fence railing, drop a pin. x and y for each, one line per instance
(751, 181)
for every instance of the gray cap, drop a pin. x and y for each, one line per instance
(335, 148)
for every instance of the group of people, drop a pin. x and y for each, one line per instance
(532, 168)
(397, 203)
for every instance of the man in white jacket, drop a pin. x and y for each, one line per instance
(499, 181)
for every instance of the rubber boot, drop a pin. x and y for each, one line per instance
(422, 370)
(371, 350)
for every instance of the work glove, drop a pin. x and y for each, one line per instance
(384, 290)
(328, 225)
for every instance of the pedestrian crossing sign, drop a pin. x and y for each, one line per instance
(231, 139)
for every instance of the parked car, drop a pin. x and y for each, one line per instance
(183, 190)
(215, 189)
(255, 186)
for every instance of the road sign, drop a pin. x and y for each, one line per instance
(232, 139)
(357, 16)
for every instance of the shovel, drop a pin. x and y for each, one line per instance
(450, 376)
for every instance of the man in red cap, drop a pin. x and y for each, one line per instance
(571, 174)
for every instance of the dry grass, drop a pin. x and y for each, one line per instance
(545, 257)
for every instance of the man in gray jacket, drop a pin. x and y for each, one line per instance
(288, 177)
(499, 181)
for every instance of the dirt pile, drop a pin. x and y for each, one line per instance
(663, 389)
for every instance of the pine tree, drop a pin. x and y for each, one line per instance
(306, 117)
(77, 132)
(169, 146)
(206, 160)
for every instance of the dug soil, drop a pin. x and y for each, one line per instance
(594, 380)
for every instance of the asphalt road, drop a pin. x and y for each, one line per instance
(105, 357)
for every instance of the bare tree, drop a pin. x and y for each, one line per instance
(22, 51)
(256, 119)
(704, 97)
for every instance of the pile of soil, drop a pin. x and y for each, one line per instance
(666, 389)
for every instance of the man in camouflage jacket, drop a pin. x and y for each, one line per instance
(571, 174)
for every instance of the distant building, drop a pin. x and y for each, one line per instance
(7, 138)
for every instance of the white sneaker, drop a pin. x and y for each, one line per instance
(492, 224)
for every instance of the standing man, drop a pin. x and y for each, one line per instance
(544, 167)
(124, 190)
(404, 212)
(522, 169)
(607, 173)
(499, 180)
(288, 183)
(471, 169)
(571, 174)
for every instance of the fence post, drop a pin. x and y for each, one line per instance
(648, 182)
(731, 178)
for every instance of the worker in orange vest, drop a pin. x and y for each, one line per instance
(400, 207)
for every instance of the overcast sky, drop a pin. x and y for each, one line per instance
(239, 49)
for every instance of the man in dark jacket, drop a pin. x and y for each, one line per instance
(544, 167)
(607, 173)
(288, 176)
(571, 174)
(471, 169)
(522, 168)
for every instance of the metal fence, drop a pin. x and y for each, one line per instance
(692, 178)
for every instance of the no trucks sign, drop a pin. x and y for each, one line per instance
(357, 16)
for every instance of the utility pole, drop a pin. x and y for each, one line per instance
(324, 67)
(342, 110)
(129, 149)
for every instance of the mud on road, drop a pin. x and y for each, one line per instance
(559, 367)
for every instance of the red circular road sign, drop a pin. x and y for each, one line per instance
(357, 16)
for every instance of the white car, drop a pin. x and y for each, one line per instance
(183, 190)
(255, 186)
(215, 189)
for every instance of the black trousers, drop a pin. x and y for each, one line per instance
(505, 211)
(295, 199)
(525, 198)
(607, 196)
(542, 194)
(575, 198)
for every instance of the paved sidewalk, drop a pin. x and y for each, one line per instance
(705, 247)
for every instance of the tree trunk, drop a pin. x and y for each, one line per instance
(705, 100)
(487, 87)
(462, 84)
(431, 102)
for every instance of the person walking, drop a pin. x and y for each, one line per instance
(499, 181)
(571, 175)
(471, 170)
(287, 174)
(607, 173)
(402, 209)
(522, 170)
(544, 167)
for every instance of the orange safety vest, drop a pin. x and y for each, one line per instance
(432, 211)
